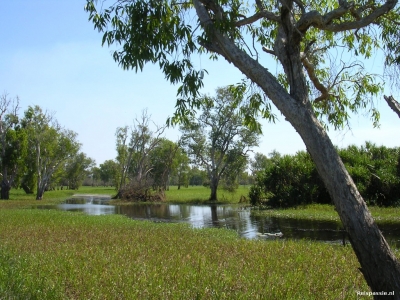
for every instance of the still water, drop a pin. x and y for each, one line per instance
(235, 217)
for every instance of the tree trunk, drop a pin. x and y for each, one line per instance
(5, 186)
(5, 189)
(393, 104)
(214, 187)
(39, 194)
(26, 188)
(378, 263)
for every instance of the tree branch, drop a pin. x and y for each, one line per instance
(324, 22)
(257, 16)
(269, 51)
(314, 79)
(393, 104)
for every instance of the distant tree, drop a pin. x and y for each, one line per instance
(95, 175)
(50, 144)
(163, 162)
(12, 143)
(217, 139)
(196, 176)
(134, 147)
(108, 172)
(182, 169)
(236, 164)
(258, 163)
(76, 169)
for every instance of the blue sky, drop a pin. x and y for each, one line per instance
(51, 56)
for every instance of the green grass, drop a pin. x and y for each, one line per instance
(201, 194)
(19, 199)
(324, 212)
(47, 254)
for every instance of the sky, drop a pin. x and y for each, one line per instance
(51, 56)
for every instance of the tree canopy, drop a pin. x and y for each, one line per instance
(333, 40)
(217, 140)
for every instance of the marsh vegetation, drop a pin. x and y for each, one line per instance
(50, 254)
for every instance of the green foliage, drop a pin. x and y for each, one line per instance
(375, 171)
(108, 172)
(217, 140)
(50, 144)
(167, 33)
(151, 31)
(289, 181)
(76, 169)
(293, 180)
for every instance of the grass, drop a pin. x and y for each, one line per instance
(201, 194)
(47, 254)
(325, 212)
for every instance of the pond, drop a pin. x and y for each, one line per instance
(235, 217)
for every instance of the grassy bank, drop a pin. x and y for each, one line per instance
(201, 194)
(324, 212)
(46, 254)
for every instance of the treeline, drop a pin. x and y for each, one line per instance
(36, 152)
(291, 180)
(212, 151)
(207, 153)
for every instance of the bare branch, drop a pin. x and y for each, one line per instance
(257, 16)
(324, 22)
(265, 49)
(310, 68)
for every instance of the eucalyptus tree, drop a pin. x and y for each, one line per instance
(12, 143)
(108, 172)
(134, 146)
(163, 161)
(217, 140)
(315, 85)
(182, 169)
(393, 104)
(258, 163)
(76, 169)
(50, 144)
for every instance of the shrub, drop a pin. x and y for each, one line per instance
(293, 180)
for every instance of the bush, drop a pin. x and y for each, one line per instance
(289, 181)
(293, 180)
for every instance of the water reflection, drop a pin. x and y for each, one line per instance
(91, 205)
(235, 217)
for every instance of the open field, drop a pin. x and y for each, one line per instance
(47, 254)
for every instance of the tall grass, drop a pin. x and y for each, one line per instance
(47, 254)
